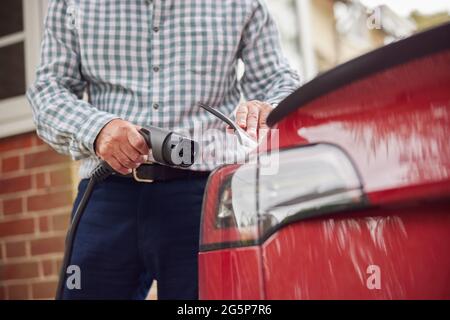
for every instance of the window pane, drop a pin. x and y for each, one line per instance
(12, 75)
(10, 17)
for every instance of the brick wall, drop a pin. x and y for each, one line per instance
(37, 187)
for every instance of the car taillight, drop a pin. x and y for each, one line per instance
(245, 204)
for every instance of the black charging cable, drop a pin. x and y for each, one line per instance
(168, 148)
(101, 172)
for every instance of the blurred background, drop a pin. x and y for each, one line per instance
(37, 186)
(319, 34)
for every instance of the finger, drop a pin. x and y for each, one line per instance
(230, 130)
(132, 154)
(241, 116)
(137, 141)
(124, 160)
(252, 120)
(263, 115)
(115, 164)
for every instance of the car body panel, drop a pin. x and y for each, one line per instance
(335, 258)
(231, 274)
(394, 125)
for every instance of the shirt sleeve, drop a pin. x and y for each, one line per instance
(268, 76)
(63, 120)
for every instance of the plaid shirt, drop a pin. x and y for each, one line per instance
(151, 63)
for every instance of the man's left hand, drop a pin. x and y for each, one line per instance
(252, 116)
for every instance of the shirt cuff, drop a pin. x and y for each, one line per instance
(89, 130)
(275, 101)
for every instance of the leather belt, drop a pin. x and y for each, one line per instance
(152, 172)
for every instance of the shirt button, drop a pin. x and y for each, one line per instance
(156, 68)
(155, 29)
(155, 106)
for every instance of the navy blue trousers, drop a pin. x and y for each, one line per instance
(133, 233)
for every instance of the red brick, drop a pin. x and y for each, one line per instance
(47, 245)
(38, 141)
(18, 292)
(43, 158)
(49, 201)
(12, 206)
(43, 224)
(60, 222)
(15, 184)
(58, 263)
(11, 164)
(2, 293)
(24, 270)
(48, 267)
(16, 227)
(16, 142)
(41, 180)
(16, 249)
(60, 178)
(44, 290)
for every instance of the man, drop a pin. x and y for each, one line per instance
(147, 63)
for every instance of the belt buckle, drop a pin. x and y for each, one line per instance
(138, 179)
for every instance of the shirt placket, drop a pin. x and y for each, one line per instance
(156, 60)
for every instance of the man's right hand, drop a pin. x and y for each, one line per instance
(121, 145)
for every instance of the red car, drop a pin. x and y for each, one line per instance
(356, 204)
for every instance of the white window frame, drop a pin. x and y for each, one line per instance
(15, 112)
(305, 34)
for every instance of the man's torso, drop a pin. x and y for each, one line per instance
(152, 63)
